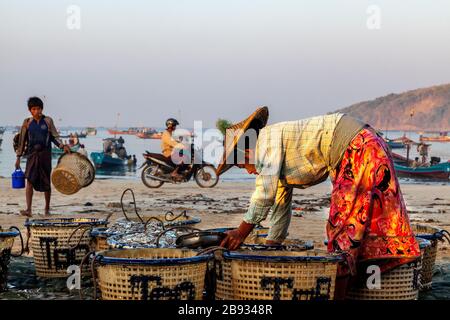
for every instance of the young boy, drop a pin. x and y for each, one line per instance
(36, 135)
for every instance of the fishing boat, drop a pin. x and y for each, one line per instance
(102, 160)
(91, 131)
(442, 137)
(394, 144)
(114, 154)
(440, 171)
(129, 131)
(2, 130)
(57, 152)
(401, 160)
(149, 133)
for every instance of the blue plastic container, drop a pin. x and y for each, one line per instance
(18, 179)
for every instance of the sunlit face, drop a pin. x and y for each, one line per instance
(36, 112)
(249, 162)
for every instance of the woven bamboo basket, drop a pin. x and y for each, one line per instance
(150, 274)
(401, 283)
(434, 235)
(73, 172)
(99, 238)
(6, 244)
(275, 275)
(59, 243)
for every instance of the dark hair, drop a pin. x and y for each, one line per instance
(35, 102)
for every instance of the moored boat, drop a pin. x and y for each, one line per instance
(147, 135)
(102, 160)
(442, 137)
(91, 131)
(58, 152)
(114, 154)
(440, 171)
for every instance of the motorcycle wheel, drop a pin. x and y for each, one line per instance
(148, 181)
(206, 177)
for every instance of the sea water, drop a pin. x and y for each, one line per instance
(137, 146)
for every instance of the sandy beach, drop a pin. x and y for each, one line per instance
(222, 206)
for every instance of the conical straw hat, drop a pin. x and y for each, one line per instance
(257, 120)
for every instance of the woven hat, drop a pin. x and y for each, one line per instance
(257, 120)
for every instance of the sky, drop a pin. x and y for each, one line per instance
(200, 60)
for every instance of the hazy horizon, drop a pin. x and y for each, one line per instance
(204, 60)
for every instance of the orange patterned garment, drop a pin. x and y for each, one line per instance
(368, 218)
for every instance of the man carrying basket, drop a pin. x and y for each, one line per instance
(34, 141)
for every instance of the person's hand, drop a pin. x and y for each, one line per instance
(17, 165)
(234, 238)
(66, 148)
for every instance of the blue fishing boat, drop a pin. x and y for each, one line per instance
(440, 171)
(56, 152)
(102, 160)
(395, 144)
(114, 154)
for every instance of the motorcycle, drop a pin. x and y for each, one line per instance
(158, 169)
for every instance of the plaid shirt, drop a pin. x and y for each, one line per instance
(290, 154)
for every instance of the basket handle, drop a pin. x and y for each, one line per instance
(446, 235)
(210, 250)
(153, 218)
(93, 275)
(86, 228)
(21, 243)
(109, 216)
(27, 248)
(171, 214)
(134, 203)
(174, 228)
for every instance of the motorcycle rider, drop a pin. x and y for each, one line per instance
(171, 147)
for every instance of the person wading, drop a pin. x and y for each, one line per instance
(36, 136)
(368, 221)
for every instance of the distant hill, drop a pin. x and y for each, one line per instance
(430, 107)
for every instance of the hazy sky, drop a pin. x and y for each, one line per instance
(204, 59)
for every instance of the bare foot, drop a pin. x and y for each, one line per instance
(47, 212)
(26, 213)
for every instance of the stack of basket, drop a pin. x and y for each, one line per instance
(59, 243)
(6, 244)
(434, 235)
